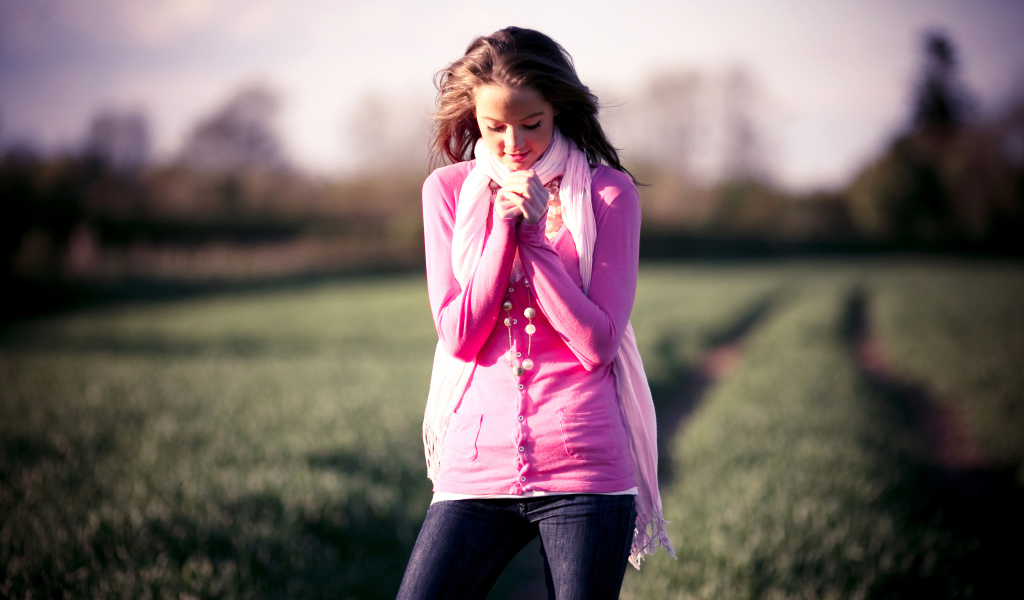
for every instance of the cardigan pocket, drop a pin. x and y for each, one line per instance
(585, 435)
(462, 435)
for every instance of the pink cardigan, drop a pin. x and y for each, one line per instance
(557, 428)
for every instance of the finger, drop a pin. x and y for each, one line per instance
(516, 176)
(510, 214)
(538, 191)
(538, 199)
(514, 200)
(533, 211)
(507, 206)
(514, 196)
(508, 211)
(526, 188)
(519, 187)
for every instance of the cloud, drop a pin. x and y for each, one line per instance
(154, 23)
(138, 23)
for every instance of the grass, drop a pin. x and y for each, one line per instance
(267, 445)
(800, 479)
(682, 311)
(262, 446)
(960, 330)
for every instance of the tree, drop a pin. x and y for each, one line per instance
(240, 135)
(941, 102)
(388, 134)
(118, 141)
(743, 153)
(951, 179)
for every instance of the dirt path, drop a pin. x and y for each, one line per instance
(955, 489)
(678, 399)
(950, 444)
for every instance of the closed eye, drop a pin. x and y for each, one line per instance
(500, 128)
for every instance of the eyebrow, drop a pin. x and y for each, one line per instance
(539, 113)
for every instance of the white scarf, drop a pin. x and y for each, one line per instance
(450, 376)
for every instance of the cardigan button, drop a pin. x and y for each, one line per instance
(522, 449)
(523, 478)
(521, 386)
(522, 418)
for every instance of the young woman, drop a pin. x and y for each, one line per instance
(539, 419)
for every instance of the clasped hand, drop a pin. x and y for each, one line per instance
(522, 197)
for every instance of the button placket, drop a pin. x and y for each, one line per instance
(519, 362)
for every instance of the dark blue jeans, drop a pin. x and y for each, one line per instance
(465, 544)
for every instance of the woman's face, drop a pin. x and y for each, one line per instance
(516, 123)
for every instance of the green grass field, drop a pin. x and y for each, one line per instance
(267, 445)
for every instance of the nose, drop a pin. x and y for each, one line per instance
(512, 138)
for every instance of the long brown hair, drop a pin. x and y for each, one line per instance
(518, 58)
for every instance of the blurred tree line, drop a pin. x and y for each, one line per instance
(953, 178)
(232, 206)
(229, 206)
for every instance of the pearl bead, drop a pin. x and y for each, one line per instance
(531, 329)
(530, 312)
(508, 322)
(528, 364)
(506, 305)
(518, 370)
(510, 355)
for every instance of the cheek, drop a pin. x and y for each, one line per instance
(543, 139)
(490, 140)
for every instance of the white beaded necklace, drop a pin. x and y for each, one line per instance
(519, 368)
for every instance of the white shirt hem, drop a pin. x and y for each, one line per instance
(445, 496)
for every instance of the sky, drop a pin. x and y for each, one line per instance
(836, 75)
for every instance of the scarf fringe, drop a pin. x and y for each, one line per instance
(649, 534)
(432, 448)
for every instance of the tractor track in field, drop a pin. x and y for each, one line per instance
(950, 445)
(955, 484)
(678, 399)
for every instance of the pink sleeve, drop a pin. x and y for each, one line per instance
(591, 325)
(464, 318)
